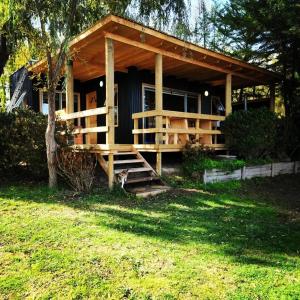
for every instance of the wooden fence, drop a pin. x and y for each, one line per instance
(268, 170)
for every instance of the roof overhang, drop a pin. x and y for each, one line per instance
(136, 45)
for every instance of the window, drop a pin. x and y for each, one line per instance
(60, 101)
(173, 99)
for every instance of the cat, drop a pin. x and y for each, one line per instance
(122, 177)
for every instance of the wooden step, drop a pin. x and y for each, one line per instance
(134, 170)
(128, 161)
(148, 190)
(125, 153)
(141, 179)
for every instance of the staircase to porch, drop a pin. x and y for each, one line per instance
(142, 179)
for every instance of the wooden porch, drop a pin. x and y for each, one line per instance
(115, 44)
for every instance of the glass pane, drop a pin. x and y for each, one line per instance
(149, 99)
(149, 104)
(63, 104)
(57, 102)
(173, 102)
(192, 104)
(76, 103)
(45, 106)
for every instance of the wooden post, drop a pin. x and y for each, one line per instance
(110, 170)
(175, 138)
(167, 126)
(204, 177)
(243, 173)
(272, 170)
(272, 97)
(110, 92)
(158, 94)
(228, 95)
(197, 127)
(158, 105)
(136, 136)
(158, 163)
(69, 87)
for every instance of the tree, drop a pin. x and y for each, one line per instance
(202, 25)
(266, 33)
(49, 25)
(4, 52)
(42, 23)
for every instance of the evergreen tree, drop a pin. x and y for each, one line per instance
(203, 25)
(266, 33)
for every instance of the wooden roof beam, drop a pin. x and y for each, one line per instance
(169, 54)
(190, 46)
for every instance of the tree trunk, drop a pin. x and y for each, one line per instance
(50, 140)
(4, 54)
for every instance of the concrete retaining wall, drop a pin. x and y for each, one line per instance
(270, 170)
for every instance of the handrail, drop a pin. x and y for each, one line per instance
(84, 113)
(176, 130)
(175, 127)
(176, 114)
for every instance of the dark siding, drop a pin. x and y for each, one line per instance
(27, 86)
(130, 97)
(130, 104)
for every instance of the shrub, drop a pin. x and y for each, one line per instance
(22, 142)
(198, 158)
(77, 167)
(252, 134)
(288, 137)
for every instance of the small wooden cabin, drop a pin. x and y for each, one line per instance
(132, 89)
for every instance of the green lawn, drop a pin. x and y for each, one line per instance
(228, 241)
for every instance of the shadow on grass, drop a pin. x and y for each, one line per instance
(235, 223)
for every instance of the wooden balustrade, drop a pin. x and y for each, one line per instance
(177, 128)
(84, 114)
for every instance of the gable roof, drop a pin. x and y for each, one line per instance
(136, 45)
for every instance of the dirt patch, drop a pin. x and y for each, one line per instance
(282, 191)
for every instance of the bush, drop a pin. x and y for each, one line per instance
(22, 142)
(77, 167)
(198, 158)
(252, 134)
(288, 137)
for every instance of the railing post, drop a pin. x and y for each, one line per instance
(228, 94)
(110, 90)
(167, 126)
(197, 128)
(136, 136)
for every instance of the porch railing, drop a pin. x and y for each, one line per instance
(177, 127)
(79, 130)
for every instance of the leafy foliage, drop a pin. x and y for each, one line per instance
(252, 134)
(198, 158)
(22, 142)
(266, 33)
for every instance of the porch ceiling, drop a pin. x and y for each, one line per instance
(136, 45)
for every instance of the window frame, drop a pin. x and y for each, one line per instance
(41, 98)
(171, 91)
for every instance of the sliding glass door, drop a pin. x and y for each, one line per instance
(175, 100)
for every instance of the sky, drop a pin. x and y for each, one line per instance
(195, 5)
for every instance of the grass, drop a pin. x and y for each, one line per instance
(227, 241)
